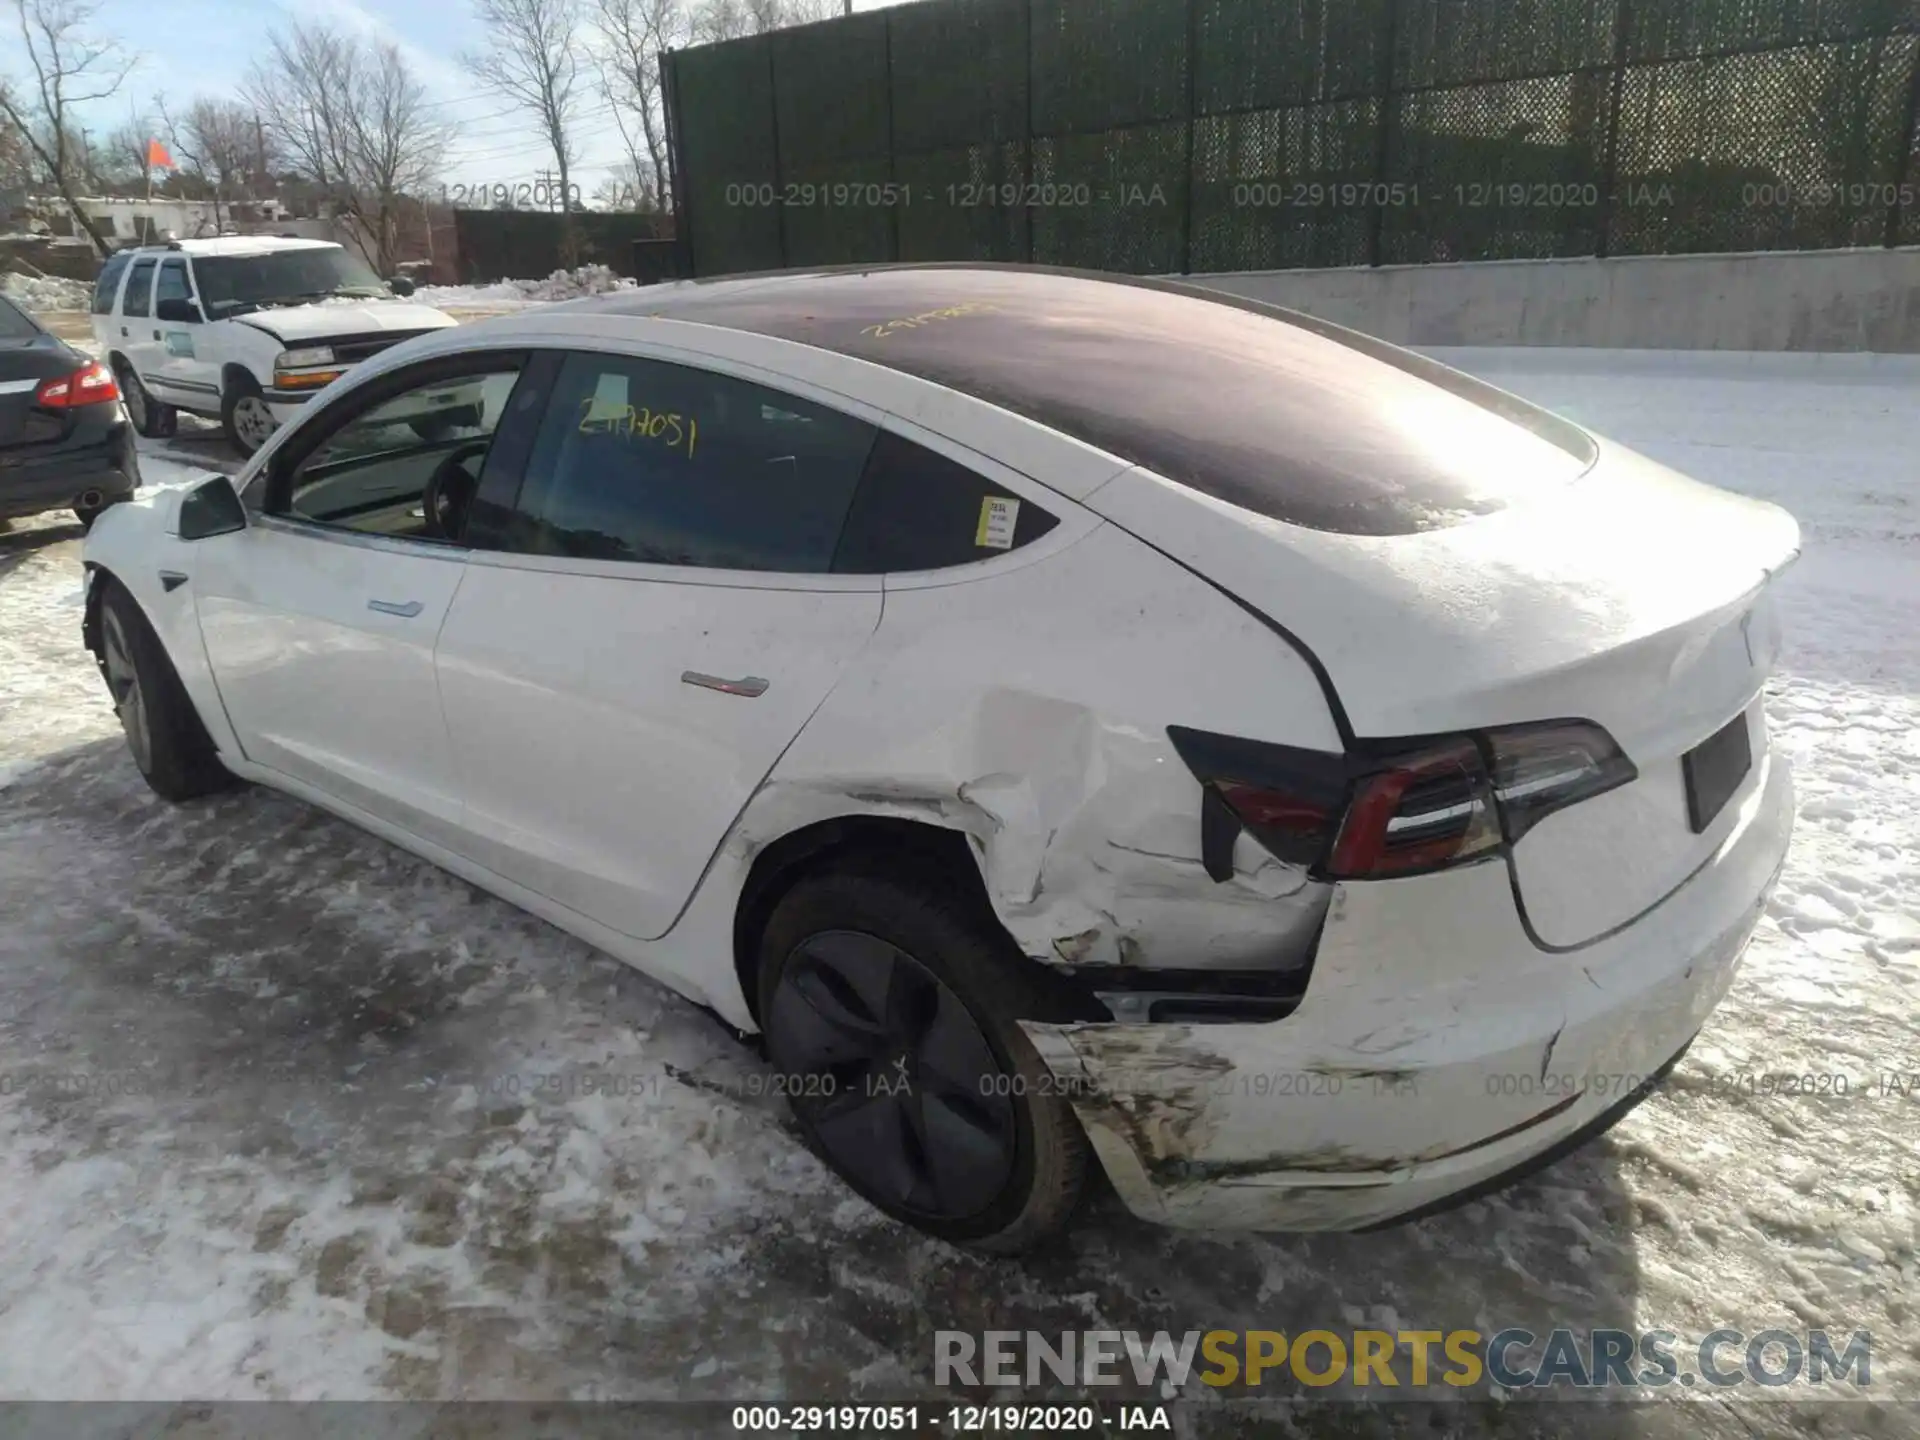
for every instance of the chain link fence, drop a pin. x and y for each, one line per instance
(1162, 136)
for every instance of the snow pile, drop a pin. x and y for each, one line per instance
(560, 285)
(41, 293)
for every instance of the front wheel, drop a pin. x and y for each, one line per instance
(891, 1009)
(163, 730)
(245, 416)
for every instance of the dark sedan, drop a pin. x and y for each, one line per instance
(65, 442)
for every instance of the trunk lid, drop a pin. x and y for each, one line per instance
(1632, 597)
(24, 366)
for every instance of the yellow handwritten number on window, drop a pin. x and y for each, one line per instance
(667, 427)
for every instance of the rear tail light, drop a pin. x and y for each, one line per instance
(1421, 812)
(92, 386)
(1398, 808)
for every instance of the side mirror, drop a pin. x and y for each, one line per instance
(211, 508)
(178, 312)
(400, 285)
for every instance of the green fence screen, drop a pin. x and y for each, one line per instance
(1165, 136)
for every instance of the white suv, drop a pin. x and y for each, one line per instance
(246, 328)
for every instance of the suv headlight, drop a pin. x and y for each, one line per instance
(296, 359)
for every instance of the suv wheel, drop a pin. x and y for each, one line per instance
(891, 1010)
(244, 413)
(152, 418)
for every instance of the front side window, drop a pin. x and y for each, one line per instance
(108, 282)
(139, 285)
(408, 466)
(662, 464)
(172, 284)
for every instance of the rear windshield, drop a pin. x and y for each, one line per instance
(1291, 421)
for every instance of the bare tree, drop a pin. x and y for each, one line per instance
(624, 187)
(122, 156)
(730, 19)
(395, 147)
(532, 59)
(217, 141)
(353, 121)
(16, 160)
(67, 67)
(631, 35)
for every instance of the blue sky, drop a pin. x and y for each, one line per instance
(195, 47)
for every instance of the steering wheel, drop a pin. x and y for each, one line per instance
(450, 489)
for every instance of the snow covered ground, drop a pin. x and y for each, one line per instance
(287, 1113)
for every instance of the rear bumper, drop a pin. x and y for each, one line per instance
(1438, 1051)
(57, 479)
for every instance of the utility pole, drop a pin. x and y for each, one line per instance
(259, 157)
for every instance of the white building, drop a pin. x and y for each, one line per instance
(132, 219)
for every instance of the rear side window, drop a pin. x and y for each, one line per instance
(139, 284)
(663, 464)
(918, 510)
(15, 324)
(108, 282)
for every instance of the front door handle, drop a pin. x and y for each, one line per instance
(405, 609)
(751, 686)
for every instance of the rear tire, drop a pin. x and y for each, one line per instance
(169, 744)
(979, 1147)
(153, 418)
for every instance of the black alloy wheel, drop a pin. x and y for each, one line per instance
(893, 1075)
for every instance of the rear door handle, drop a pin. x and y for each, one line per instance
(405, 609)
(752, 686)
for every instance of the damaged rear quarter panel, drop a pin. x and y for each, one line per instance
(1028, 710)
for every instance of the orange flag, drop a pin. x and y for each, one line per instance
(157, 156)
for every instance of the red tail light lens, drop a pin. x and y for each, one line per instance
(1424, 811)
(91, 386)
(1397, 809)
(1538, 769)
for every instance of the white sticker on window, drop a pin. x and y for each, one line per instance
(998, 516)
(609, 399)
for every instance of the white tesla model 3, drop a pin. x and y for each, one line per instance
(1069, 717)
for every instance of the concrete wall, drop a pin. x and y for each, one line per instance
(1819, 300)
